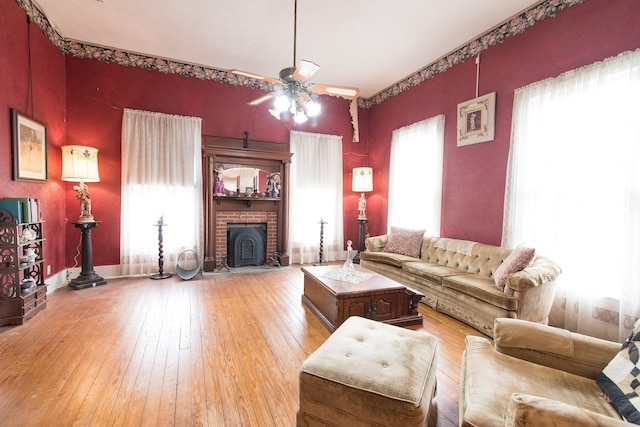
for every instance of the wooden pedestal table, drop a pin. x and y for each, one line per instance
(375, 297)
(88, 277)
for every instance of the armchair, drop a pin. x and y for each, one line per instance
(535, 374)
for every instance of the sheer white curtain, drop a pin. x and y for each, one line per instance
(161, 176)
(315, 194)
(573, 190)
(415, 176)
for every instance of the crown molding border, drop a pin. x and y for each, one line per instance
(513, 26)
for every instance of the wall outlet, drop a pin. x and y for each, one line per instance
(49, 270)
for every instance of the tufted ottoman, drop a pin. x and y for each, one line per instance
(369, 373)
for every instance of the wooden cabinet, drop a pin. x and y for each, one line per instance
(23, 292)
(378, 307)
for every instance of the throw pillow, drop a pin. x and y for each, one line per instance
(620, 380)
(519, 259)
(405, 241)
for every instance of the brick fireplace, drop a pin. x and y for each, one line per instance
(225, 218)
(222, 153)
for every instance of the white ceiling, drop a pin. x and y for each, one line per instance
(370, 44)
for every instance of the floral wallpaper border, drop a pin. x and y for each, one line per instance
(516, 25)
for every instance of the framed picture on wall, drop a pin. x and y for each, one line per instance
(29, 145)
(476, 120)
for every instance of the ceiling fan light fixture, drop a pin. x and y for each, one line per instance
(313, 108)
(275, 113)
(282, 103)
(300, 117)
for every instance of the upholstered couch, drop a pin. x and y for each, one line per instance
(535, 375)
(466, 280)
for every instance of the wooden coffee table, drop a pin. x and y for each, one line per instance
(376, 297)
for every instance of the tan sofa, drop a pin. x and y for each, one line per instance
(535, 375)
(456, 277)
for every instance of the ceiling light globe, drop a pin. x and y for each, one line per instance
(281, 103)
(313, 108)
(299, 117)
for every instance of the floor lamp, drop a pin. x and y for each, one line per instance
(80, 164)
(362, 181)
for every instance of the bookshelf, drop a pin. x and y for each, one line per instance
(23, 292)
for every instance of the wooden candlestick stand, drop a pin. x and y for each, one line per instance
(161, 274)
(321, 261)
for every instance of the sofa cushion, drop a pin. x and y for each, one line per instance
(427, 270)
(405, 241)
(553, 347)
(490, 378)
(526, 410)
(519, 259)
(620, 379)
(482, 288)
(389, 258)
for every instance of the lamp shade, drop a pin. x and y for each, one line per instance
(80, 163)
(362, 179)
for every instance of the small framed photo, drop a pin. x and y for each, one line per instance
(29, 145)
(248, 191)
(476, 120)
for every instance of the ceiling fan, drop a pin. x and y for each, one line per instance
(293, 94)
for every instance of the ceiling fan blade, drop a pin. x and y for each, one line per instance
(254, 76)
(341, 91)
(261, 99)
(305, 70)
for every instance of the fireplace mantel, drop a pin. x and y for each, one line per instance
(269, 156)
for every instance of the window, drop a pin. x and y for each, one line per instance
(315, 194)
(573, 187)
(161, 176)
(415, 176)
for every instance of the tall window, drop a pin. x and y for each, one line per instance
(161, 177)
(573, 189)
(315, 194)
(415, 176)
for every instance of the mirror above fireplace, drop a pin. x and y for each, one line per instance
(241, 177)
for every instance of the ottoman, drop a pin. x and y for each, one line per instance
(369, 373)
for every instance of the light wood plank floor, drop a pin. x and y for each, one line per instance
(222, 350)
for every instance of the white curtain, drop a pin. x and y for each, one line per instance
(315, 194)
(161, 177)
(573, 190)
(415, 176)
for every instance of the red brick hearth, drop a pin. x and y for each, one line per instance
(245, 217)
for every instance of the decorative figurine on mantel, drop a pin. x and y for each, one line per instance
(218, 188)
(273, 184)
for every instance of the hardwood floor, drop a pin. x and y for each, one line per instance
(222, 350)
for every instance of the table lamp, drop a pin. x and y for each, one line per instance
(80, 164)
(362, 182)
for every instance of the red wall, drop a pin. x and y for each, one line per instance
(47, 104)
(98, 92)
(90, 96)
(474, 176)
